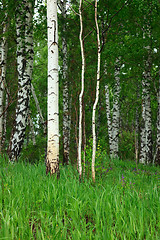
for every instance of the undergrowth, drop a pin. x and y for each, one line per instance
(123, 204)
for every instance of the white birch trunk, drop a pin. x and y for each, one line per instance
(157, 151)
(32, 128)
(24, 68)
(109, 122)
(143, 130)
(1, 95)
(116, 112)
(66, 103)
(97, 97)
(148, 124)
(146, 128)
(136, 135)
(84, 139)
(5, 120)
(3, 61)
(52, 164)
(81, 93)
(38, 108)
(113, 122)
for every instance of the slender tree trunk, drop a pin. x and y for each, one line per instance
(32, 128)
(157, 152)
(66, 114)
(113, 122)
(146, 129)
(136, 135)
(5, 121)
(109, 122)
(38, 108)
(1, 96)
(24, 27)
(84, 139)
(148, 126)
(143, 130)
(52, 164)
(116, 112)
(97, 97)
(3, 61)
(81, 93)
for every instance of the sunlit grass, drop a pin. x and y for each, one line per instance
(123, 204)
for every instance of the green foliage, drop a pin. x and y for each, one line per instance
(34, 153)
(127, 146)
(100, 157)
(123, 204)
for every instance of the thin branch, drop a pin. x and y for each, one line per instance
(89, 3)
(73, 9)
(88, 35)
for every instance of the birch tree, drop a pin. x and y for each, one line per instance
(24, 26)
(52, 164)
(97, 96)
(3, 61)
(66, 102)
(81, 93)
(113, 120)
(38, 108)
(157, 151)
(116, 112)
(146, 128)
(108, 113)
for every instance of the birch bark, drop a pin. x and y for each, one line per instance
(24, 67)
(109, 122)
(81, 93)
(143, 130)
(52, 164)
(1, 94)
(66, 103)
(5, 121)
(113, 122)
(146, 128)
(38, 108)
(157, 152)
(30, 122)
(3, 61)
(136, 133)
(97, 97)
(116, 112)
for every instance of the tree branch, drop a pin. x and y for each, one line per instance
(109, 24)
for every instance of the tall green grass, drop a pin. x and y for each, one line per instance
(123, 204)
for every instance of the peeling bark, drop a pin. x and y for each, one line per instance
(24, 26)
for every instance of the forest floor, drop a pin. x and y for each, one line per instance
(124, 203)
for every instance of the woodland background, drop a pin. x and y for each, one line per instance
(123, 202)
(129, 32)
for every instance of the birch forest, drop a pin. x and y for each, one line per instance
(79, 119)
